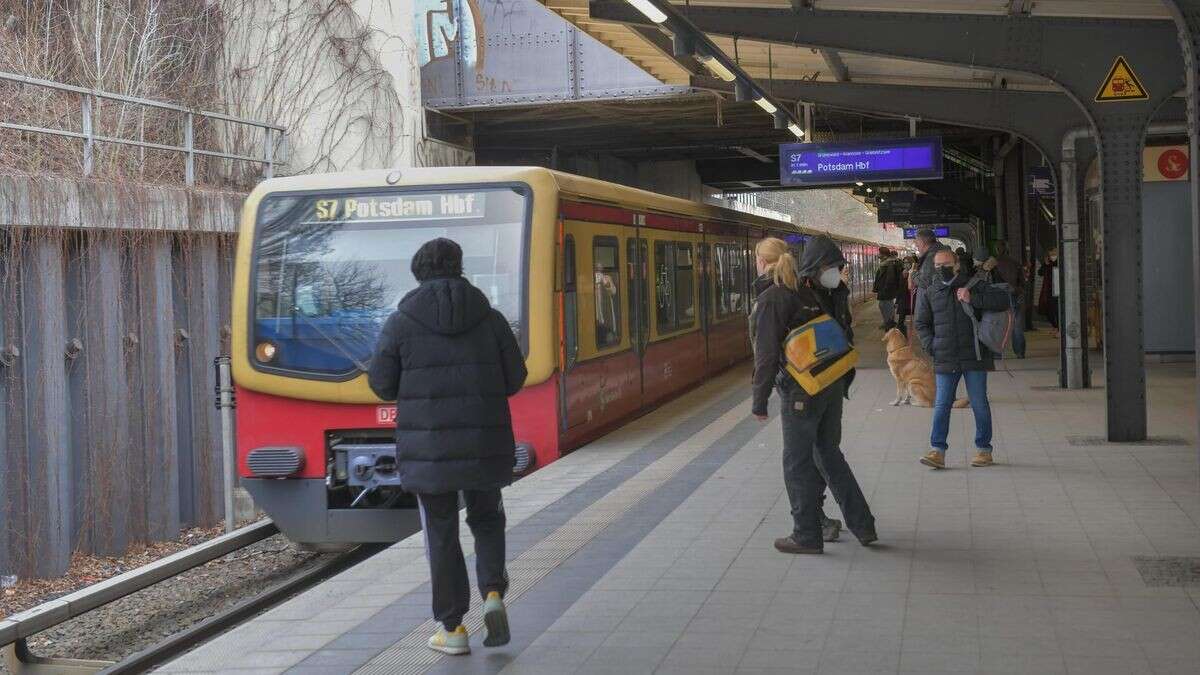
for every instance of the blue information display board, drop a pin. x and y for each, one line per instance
(866, 161)
(911, 232)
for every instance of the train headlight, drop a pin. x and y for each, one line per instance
(265, 351)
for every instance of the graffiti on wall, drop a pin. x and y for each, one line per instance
(532, 56)
(446, 27)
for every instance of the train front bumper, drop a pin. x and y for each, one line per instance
(299, 506)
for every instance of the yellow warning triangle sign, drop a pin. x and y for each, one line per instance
(1121, 84)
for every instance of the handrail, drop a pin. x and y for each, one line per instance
(274, 132)
(48, 614)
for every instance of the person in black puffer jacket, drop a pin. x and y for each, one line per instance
(947, 334)
(812, 425)
(450, 361)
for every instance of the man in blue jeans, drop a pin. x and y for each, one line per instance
(944, 324)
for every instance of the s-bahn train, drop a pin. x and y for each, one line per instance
(620, 298)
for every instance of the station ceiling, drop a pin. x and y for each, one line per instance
(734, 143)
(797, 62)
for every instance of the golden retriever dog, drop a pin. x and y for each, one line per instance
(913, 374)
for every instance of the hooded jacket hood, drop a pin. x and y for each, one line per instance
(820, 252)
(447, 306)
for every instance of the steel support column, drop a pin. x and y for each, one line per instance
(1076, 54)
(1187, 19)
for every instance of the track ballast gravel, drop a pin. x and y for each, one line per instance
(144, 618)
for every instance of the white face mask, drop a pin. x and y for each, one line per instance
(831, 278)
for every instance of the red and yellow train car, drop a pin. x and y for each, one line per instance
(620, 298)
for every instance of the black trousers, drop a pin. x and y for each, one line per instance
(447, 568)
(812, 456)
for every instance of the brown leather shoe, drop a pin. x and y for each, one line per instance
(789, 545)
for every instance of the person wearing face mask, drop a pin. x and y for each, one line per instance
(774, 259)
(812, 424)
(947, 333)
(927, 246)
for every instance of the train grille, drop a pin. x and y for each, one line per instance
(274, 462)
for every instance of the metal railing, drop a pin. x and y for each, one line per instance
(273, 132)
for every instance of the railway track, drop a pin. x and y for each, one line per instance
(19, 659)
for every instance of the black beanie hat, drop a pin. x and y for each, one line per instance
(437, 258)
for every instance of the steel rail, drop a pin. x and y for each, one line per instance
(124, 98)
(184, 640)
(48, 614)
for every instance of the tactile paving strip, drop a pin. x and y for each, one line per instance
(411, 655)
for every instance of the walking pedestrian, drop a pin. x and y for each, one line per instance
(889, 284)
(450, 361)
(812, 424)
(772, 255)
(947, 333)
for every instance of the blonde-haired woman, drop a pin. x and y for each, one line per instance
(777, 265)
(812, 425)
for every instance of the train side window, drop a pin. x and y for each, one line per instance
(685, 286)
(720, 276)
(664, 286)
(606, 262)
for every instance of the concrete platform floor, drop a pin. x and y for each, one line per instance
(650, 551)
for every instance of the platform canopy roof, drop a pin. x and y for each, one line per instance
(799, 62)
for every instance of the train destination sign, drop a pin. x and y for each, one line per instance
(866, 161)
(392, 207)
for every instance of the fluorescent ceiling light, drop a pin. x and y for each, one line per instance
(795, 129)
(766, 105)
(717, 68)
(646, 7)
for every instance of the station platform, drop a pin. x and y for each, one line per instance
(650, 550)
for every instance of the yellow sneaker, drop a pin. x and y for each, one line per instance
(453, 643)
(934, 458)
(495, 617)
(982, 459)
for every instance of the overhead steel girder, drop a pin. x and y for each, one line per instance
(1076, 54)
(1072, 52)
(1039, 117)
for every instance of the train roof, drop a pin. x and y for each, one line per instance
(589, 189)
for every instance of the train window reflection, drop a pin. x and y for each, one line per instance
(674, 280)
(330, 268)
(607, 286)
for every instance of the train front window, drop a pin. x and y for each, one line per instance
(331, 268)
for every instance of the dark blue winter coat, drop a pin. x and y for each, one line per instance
(450, 362)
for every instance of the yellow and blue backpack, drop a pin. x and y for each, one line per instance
(818, 354)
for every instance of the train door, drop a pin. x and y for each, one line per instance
(636, 254)
(705, 263)
(603, 383)
(570, 331)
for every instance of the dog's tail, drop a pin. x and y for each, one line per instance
(962, 403)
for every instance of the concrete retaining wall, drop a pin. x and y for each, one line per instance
(114, 301)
